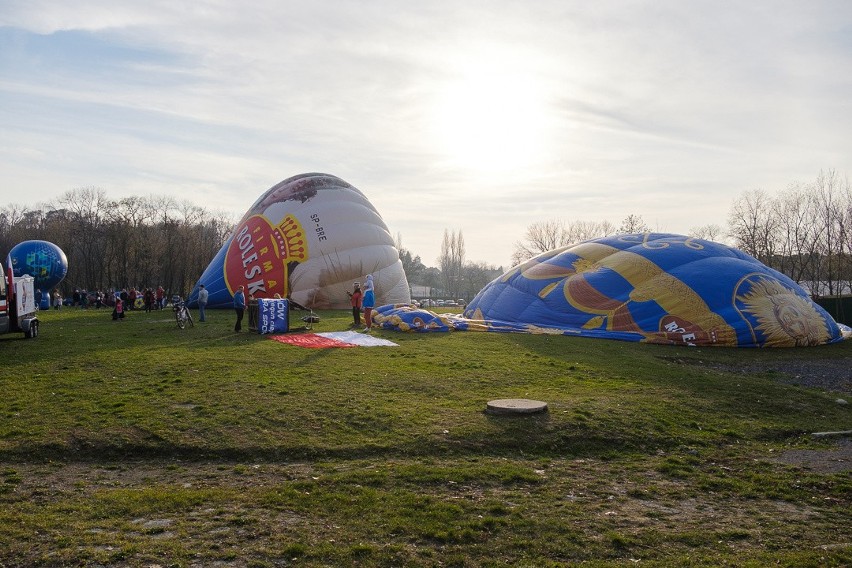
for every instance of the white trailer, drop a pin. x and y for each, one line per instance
(18, 310)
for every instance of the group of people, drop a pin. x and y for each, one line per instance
(365, 299)
(155, 299)
(127, 300)
(360, 299)
(149, 299)
(81, 298)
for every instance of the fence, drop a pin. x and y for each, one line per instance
(840, 307)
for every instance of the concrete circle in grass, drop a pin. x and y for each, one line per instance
(515, 406)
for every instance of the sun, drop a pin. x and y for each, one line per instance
(491, 121)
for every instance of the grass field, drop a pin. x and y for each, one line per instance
(136, 443)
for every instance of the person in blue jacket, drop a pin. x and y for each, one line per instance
(369, 302)
(240, 307)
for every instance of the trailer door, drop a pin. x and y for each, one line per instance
(4, 307)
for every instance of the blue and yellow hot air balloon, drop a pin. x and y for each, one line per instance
(656, 288)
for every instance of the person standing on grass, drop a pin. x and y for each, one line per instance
(118, 310)
(369, 302)
(240, 307)
(202, 302)
(148, 298)
(355, 298)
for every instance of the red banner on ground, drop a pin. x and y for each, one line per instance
(311, 340)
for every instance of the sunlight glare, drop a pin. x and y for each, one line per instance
(490, 122)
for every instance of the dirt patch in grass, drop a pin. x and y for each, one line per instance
(836, 460)
(829, 375)
(404, 512)
(832, 375)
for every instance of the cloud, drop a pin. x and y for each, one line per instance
(664, 109)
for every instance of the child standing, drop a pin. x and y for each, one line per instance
(355, 298)
(118, 311)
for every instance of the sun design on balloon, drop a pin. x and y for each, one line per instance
(583, 265)
(783, 317)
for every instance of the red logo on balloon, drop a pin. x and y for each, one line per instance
(261, 256)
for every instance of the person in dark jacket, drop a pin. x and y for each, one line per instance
(239, 307)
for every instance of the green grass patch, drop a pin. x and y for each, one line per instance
(137, 443)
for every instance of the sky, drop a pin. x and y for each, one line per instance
(476, 117)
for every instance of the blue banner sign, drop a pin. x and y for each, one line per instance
(273, 316)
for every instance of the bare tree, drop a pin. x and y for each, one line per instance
(711, 232)
(633, 224)
(846, 236)
(828, 193)
(752, 224)
(451, 262)
(85, 210)
(579, 231)
(411, 264)
(544, 236)
(476, 276)
(540, 237)
(130, 242)
(12, 226)
(803, 232)
(797, 233)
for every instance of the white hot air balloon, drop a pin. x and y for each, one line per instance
(307, 238)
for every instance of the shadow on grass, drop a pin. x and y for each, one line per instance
(529, 436)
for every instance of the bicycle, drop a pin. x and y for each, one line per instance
(182, 315)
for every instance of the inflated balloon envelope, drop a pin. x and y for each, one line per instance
(307, 238)
(42, 260)
(655, 288)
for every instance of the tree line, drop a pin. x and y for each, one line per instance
(130, 242)
(804, 231)
(455, 277)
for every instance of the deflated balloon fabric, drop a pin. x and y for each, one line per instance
(653, 287)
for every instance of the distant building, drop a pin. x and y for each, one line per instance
(419, 291)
